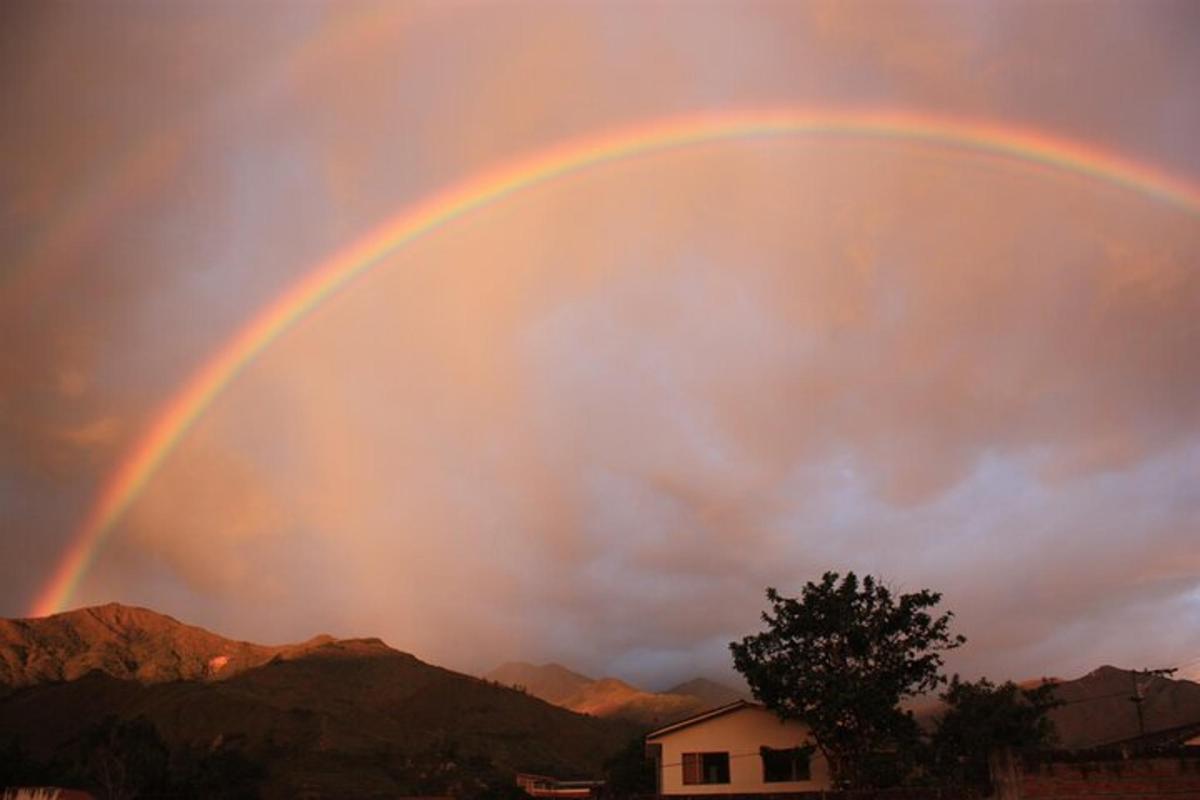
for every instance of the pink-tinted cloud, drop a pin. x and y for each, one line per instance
(592, 422)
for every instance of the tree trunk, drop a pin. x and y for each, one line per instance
(1002, 771)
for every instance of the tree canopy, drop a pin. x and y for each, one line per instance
(840, 658)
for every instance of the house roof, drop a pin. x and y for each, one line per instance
(703, 716)
(1166, 737)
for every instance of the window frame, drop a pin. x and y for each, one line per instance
(799, 761)
(695, 774)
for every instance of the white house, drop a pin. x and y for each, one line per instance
(740, 748)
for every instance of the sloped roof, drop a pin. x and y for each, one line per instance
(1166, 737)
(703, 716)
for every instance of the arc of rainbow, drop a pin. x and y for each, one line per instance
(183, 408)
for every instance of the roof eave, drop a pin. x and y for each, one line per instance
(703, 716)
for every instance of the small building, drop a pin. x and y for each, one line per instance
(739, 748)
(546, 786)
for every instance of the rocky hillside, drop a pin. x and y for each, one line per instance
(327, 718)
(124, 642)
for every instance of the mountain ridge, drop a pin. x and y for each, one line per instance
(554, 682)
(1098, 710)
(326, 717)
(612, 698)
(717, 694)
(126, 642)
(356, 717)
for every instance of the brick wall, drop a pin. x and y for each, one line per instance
(1133, 779)
(1161, 778)
(866, 794)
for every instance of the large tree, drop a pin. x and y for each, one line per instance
(840, 658)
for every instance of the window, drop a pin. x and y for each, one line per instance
(705, 768)
(791, 764)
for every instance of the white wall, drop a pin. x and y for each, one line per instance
(740, 733)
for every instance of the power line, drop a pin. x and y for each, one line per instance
(1190, 662)
(1093, 697)
(1138, 696)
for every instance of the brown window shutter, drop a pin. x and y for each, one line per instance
(691, 768)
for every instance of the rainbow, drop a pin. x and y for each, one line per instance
(182, 410)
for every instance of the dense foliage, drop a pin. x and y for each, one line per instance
(982, 718)
(128, 759)
(840, 658)
(630, 772)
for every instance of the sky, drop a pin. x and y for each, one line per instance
(592, 421)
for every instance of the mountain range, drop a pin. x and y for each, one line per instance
(324, 718)
(356, 718)
(612, 698)
(129, 643)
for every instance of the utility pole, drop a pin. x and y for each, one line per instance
(1138, 693)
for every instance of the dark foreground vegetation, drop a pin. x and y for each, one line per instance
(124, 760)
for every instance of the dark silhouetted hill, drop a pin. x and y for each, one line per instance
(328, 717)
(1098, 708)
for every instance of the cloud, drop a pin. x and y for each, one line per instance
(605, 460)
(208, 511)
(103, 431)
(593, 421)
